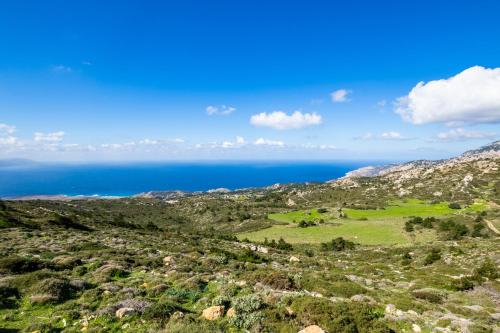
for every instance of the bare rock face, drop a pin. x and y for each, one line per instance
(213, 312)
(312, 329)
(122, 312)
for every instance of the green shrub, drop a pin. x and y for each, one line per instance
(433, 256)
(454, 205)
(428, 222)
(18, 265)
(462, 284)
(247, 303)
(162, 310)
(68, 223)
(283, 245)
(221, 300)
(429, 294)
(345, 317)
(488, 270)
(338, 244)
(52, 290)
(8, 296)
(454, 230)
(477, 230)
(246, 308)
(276, 280)
(409, 226)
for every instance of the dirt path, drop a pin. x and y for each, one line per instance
(492, 227)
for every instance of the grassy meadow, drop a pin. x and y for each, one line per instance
(367, 227)
(372, 232)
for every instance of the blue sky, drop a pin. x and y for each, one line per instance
(158, 80)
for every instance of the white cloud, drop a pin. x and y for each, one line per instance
(320, 146)
(390, 135)
(382, 103)
(240, 140)
(8, 140)
(470, 97)
(266, 142)
(461, 134)
(227, 144)
(62, 69)
(178, 140)
(6, 135)
(8, 129)
(282, 121)
(222, 110)
(339, 96)
(149, 142)
(49, 137)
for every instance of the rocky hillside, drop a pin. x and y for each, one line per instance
(474, 174)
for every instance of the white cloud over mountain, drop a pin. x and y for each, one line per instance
(470, 97)
(282, 121)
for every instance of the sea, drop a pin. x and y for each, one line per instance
(127, 179)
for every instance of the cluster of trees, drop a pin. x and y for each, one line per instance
(281, 244)
(451, 229)
(427, 222)
(338, 244)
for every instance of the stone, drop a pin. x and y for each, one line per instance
(213, 312)
(362, 298)
(416, 328)
(177, 315)
(122, 312)
(294, 259)
(475, 308)
(168, 260)
(262, 249)
(390, 309)
(231, 312)
(312, 329)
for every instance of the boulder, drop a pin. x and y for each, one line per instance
(390, 309)
(294, 259)
(363, 298)
(231, 312)
(122, 312)
(312, 329)
(213, 312)
(416, 328)
(168, 260)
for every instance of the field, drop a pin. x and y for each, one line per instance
(373, 232)
(368, 227)
(297, 216)
(412, 207)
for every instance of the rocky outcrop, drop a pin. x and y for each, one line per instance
(213, 312)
